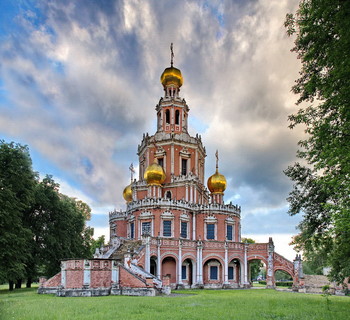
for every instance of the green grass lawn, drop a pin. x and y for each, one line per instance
(194, 304)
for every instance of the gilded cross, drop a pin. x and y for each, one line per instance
(172, 54)
(132, 171)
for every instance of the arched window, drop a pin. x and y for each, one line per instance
(168, 195)
(167, 116)
(177, 117)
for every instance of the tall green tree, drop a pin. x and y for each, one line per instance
(38, 225)
(321, 181)
(58, 225)
(17, 181)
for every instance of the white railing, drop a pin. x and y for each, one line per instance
(179, 204)
(144, 274)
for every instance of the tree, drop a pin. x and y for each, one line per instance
(321, 183)
(58, 224)
(38, 225)
(17, 181)
(96, 244)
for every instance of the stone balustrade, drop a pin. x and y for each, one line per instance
(169, 204)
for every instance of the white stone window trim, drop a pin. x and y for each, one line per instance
(233, 265)
(214, 264)
(215, 231)
(187, 228)
(167, 216)
(146, 215)
(129, 229)
(187, 270)
(140, 228)
(210, 220)
(171, 195)
(188, 164)
(230, 222)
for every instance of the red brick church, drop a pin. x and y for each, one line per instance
(175, 226)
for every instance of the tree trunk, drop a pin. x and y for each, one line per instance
(10, 285)
(18, 284)
(29, 283)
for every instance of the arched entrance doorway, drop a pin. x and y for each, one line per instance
(212, 273)
(256, 272)
(283, 279)
(153, 265)
(187, 273)
(169, 269)
(234, 273)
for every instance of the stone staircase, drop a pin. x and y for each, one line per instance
(128, 246)
(314, 283)
(145, 275)
(119, 249)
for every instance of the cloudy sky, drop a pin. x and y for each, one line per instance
(79, 81)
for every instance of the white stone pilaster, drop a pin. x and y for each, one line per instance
(172, 158)
(158, 259)
(194, 226)
(63, 274)
(179, 273)
(226, 264)
(147, 254)
(115, 272)
(245, 264)
(87, 272)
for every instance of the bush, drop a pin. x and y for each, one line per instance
(284, 284)
(262, 282)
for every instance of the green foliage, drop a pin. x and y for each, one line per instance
(58, 223)
(284, 284)
(38, 225)
(321, 186)
(255, 268)
(282, 275)
(100, 242)
(314, 266)
(16, 195)
(326, 293)
(191, 304)
(248, 240)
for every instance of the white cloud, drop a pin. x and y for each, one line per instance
(82, 86)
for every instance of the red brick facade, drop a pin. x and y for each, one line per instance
(189, 234)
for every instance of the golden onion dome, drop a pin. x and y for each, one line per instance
(154, 174)
(127, 193)
(217, 183)
(171, 75)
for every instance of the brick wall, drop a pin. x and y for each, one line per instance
(74, 278)
(129, 280)
(101, 278)
(55, 281)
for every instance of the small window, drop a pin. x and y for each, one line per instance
(184, 167)
(229, 232)
(211, 231)
(183, 273)
(230, 273)
(132, 228)
(213, 273)
(167, 228)
(168, 195)
(167, 116)
(161, 162)
(177, 117)
(183, 229)
(146, 228)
